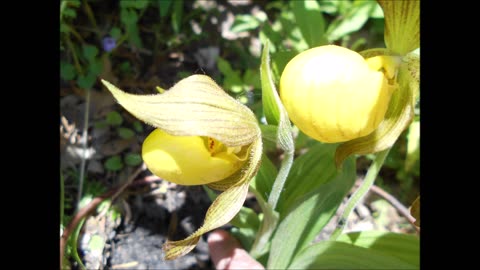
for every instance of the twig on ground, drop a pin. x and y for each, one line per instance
(394, 202)
(88, 209)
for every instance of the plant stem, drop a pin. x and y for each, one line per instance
(84, 147)
(360, 192)
(90, 16)
(266, 229)
(280, 180)
(74, 55)
(62, 197)
(75, 245)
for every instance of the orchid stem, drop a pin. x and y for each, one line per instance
(360, 192)
(280, 180)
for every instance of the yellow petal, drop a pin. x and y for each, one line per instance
(397, 118)
(332, 94)
(186, 160)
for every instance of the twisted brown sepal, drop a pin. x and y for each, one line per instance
(195, 106)
(402, 25)
(225, 206)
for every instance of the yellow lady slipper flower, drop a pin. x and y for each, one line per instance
(203, 136)
(334, 95)
(190, 160)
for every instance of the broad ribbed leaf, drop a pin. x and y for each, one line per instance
(310, 21)
(402, 246)
(308, 172)
(195, 106)
(353, 20)
(307, 217)
(402, 24)
(337, 255)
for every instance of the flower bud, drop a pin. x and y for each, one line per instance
(333, 94)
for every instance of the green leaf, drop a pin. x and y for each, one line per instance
(337, 255)
(246, 218)
(96, 243)
(233, 80)
(279, 60)
(276, 115)
(114, 163)
(138, 4)
(115, 33)
(73, 242)
(133, 159)
(137, 126)
(177, 14)
(309, 171)
(125, 133)
(251, 77)
(267, 33)
(96, 67)
(86, 82)
(141, 4)
(69, 13)
(74, 3)
(310, 21)
(128, 17)
(134, 35)
(67, 71)
(114, 118)
(89, 52)
(164, 7)
(270, 108)
(244, 23)
(353, 21)
(64, 28)
(307, 217)
(403, 246)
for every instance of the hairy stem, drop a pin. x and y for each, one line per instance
(280, 180)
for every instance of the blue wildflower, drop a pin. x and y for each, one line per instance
(108, 43)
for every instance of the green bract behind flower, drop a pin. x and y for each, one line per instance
(333, 94)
